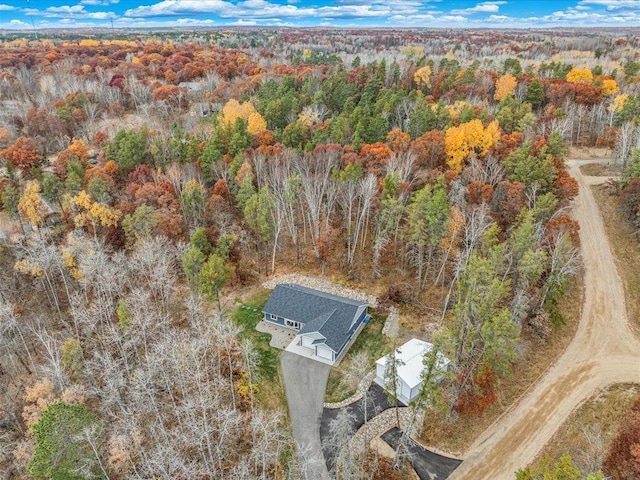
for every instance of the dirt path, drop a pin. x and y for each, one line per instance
(604, 351)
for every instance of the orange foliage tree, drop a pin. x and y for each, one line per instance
(23, 154)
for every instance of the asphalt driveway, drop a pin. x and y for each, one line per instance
(305, 381)
(376, 403)
(428, 465)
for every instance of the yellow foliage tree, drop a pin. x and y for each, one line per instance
(505, 87)
(423, 76)
(256, 123)
(580, 75)
(618, 102)
(31, 205)
(468, 138)
(609, 87)
(94, 213)
(233, 110)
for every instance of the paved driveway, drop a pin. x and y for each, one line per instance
(428, 465)
(305, 381)
(376, 402)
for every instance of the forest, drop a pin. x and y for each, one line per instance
(148, 178)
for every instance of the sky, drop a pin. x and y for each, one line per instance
(30, 14)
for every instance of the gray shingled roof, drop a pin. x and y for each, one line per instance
(328, 314)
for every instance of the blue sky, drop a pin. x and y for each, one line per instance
(24, 14)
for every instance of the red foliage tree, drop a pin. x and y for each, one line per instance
(507, 144)
(429, 149)
(23, 154)
(630, 201)
(479, 394)
(398, 141)
(609, 137)
(623, 459)
(507, 202)
(563, 223)
(479, 193)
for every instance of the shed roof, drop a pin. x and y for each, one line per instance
(328, 314)
(411, 355)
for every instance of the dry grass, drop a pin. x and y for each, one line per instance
(599, 419)
(625, 249)
(588, 153)
(601, 170)
(455, 436)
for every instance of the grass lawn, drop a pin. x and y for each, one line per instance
(373, 342)
(270, 383)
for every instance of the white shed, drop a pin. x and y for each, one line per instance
(410, 368)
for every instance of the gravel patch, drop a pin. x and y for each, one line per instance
(323, 285)
(392, 324)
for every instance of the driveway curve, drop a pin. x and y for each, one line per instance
(604, 351)
(305, 381)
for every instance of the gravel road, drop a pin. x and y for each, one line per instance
(604, 351)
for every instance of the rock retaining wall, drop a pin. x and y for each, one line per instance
(362, 387)
(323, 285)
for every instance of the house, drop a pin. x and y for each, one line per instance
(325, 323)
(410, 367)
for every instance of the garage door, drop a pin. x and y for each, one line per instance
(307, 342)
(324, 352)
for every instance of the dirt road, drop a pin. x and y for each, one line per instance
(603, 352)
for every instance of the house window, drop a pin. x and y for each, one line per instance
(291, 323)
(272, 317)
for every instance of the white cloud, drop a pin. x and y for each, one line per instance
(454, 18)
(613, 5)
(99, 2)
(71, 11)
(241, 22)
(6, 8)
(15, 25)
(484, 7)
(262, 9)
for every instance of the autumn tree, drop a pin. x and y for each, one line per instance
(429, 149)
(578, 74)
(23, 154)
(468, 138)
(623, 458)
(505, 87)
(93, 214)
(31, 205)
(609, 87)
(422, 76)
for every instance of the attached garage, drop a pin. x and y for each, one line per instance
(324, 352)
(307, 341)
